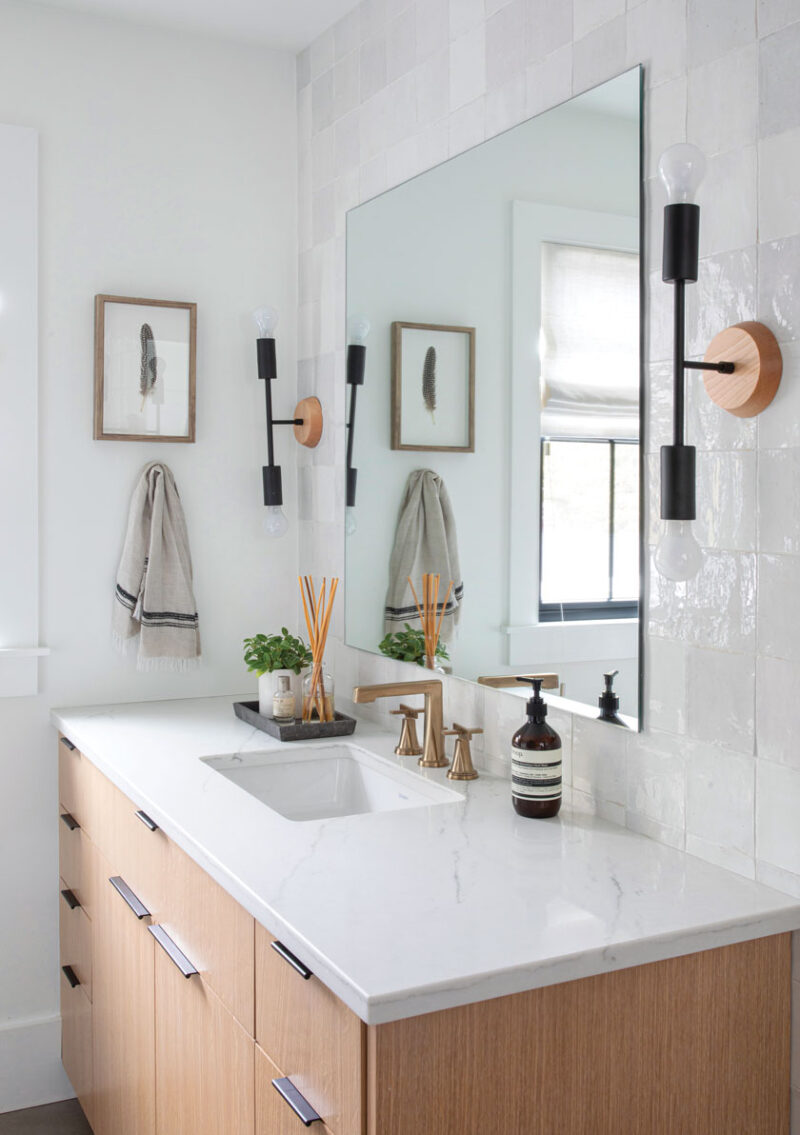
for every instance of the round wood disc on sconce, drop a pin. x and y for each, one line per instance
(756, 356)
(309, 431)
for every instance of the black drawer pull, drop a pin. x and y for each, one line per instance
(299, 1104)
(122, 889)
(68, 819)
(171, 950)
(69, 899)
(66, 741)
(148, 823)
(293, 961)
(69, 974)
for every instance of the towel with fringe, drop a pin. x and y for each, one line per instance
(154, 600)
(425, 541)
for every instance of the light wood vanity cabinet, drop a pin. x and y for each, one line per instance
(698, 1044)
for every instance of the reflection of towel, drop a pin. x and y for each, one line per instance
(154, 597)
(425, 541)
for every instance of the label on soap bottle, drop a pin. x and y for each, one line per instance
(536, 773)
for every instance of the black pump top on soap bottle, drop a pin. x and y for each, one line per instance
(536, 761)
(609, 701)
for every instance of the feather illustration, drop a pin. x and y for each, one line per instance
(429, 382)
(148, 372)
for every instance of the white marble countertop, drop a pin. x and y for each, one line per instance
(411, 911)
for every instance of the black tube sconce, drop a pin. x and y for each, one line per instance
(356, 365)
(742, 365)
(307, 421)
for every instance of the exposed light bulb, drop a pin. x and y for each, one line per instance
(682, 168)
(678, 555)
(358, 327)
(275, 522)
(266, 320)
(350, 524)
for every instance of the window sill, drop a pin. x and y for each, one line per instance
(19, 670)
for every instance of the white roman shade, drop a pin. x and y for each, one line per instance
(589, 342)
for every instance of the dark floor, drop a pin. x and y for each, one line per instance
(56, 1119)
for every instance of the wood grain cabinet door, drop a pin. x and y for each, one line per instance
(204, 1059)
(124, 1025)
(274, 1116)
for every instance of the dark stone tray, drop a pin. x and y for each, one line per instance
(298, 730)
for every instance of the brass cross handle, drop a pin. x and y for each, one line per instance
(462, 767)
(408, 745)
(407, 711)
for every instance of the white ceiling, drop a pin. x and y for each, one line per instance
(289, 24)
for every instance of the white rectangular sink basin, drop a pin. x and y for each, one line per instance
(303, 783)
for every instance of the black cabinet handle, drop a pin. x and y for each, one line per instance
(69, 899)
(122, 889)
(66, 741)
(148, 823)
(171, 950)
(293, 961)
(299, 1104)
(69, 974)
(68, 819)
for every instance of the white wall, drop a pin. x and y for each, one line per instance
(439, 250)
(717, 769)
(167, 170)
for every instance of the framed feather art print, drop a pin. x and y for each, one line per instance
(144, 369)
(433, 387)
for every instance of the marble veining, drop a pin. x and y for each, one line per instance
(410, 911)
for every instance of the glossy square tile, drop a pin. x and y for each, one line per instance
(465, 14)
(775, 14)
(656, 787)
(778, 275)
(505, 106)
(726, 501)
(656, 36)
(401, 44)
(467, 67)
(589, 14)
(777, 831)
(372, 67)
(778, 492)
(667, 706)
(505, 44)
(723, 115)
(322, 101)
(779, 424)
(778, 187)
(778, 711)
(779, 606)
(716, 27)
(598, 761)
(779, 81)
(720, 807)
(665, 117)
(433, 27)
(599, 55)
(549, 26)
(722, 690)
(731, 186)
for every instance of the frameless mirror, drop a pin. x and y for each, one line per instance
(498, 425)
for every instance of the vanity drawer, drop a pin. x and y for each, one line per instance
(75, 937)
(213, 931)
(134, 846)
(274, 1116)
(75, 851)
(77, 779)
(76, 1040)
(312, 1036)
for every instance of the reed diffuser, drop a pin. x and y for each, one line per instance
(317, 608)
(428, 610)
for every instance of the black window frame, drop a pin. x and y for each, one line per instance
(602, 609)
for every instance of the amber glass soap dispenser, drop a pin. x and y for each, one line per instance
(536, 762)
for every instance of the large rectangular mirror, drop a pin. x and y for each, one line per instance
(498, 425)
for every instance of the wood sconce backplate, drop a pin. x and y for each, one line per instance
(309, 431)
(756, 356)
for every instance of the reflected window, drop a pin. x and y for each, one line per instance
(589, 548)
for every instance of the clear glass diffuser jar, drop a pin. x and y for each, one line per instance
(318, 691)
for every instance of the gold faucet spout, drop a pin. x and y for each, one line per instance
(433, 743)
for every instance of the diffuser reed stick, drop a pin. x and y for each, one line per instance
(431, 614)
(317, 610)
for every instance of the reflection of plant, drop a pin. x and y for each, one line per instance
(409, 646)
(429, 382)
(265, 653)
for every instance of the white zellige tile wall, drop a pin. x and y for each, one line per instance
(396, 87)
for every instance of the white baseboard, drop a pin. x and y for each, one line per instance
(30, 1063)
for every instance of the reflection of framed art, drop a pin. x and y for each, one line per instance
(144, 369)
(433, 387)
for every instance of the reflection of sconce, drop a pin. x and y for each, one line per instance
(356, 363)
(307, 421)
(743, 363)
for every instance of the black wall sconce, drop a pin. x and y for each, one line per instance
(742, 366)
(358, 326)
(307, 421)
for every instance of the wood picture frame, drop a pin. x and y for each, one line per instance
(425, 383)
(145, 359)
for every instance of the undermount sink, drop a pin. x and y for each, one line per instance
(331, 780)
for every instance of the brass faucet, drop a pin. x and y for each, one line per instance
(433, 741)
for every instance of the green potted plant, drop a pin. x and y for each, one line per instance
(409, 646)
(272, 655)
